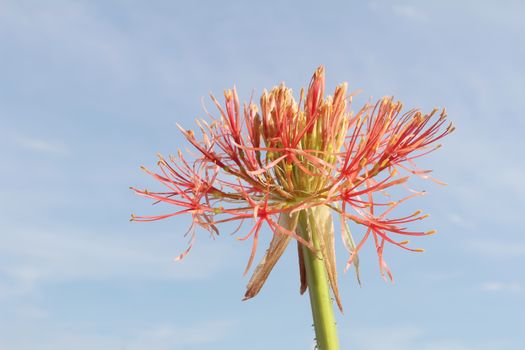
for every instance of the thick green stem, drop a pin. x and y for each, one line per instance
(320, 299)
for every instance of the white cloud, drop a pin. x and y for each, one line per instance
(410, 12)
(163, 337)
(180, 337)
(42, 146)
(439, 277)
(461, 221)
(504, 14)
(406, 11)
(485, 185)
(501, 287)
(31, 258)
(497, 248)
(51, 341)
(17, 280)
(31, 312)
(413, 338)
(385, 338)
(74, 35)
(449, 345)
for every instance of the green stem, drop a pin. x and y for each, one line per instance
(320, 299)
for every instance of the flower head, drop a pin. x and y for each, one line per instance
(263, 165)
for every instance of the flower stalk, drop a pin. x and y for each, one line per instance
(318, 286)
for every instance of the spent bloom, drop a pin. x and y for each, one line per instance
(262, 165)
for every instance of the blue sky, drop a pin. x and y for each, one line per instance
(89, 91)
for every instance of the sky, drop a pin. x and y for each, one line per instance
(92, 90)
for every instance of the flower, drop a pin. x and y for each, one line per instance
(267, 165)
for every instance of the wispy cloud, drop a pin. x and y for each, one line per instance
(88, 33)
(395, 338)
(194, 335)
(170, 336)
(414, 338)
(410, 12)
(502, 287)
(482, 195)
(31, 258)
(496, 248)
(42, 145)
